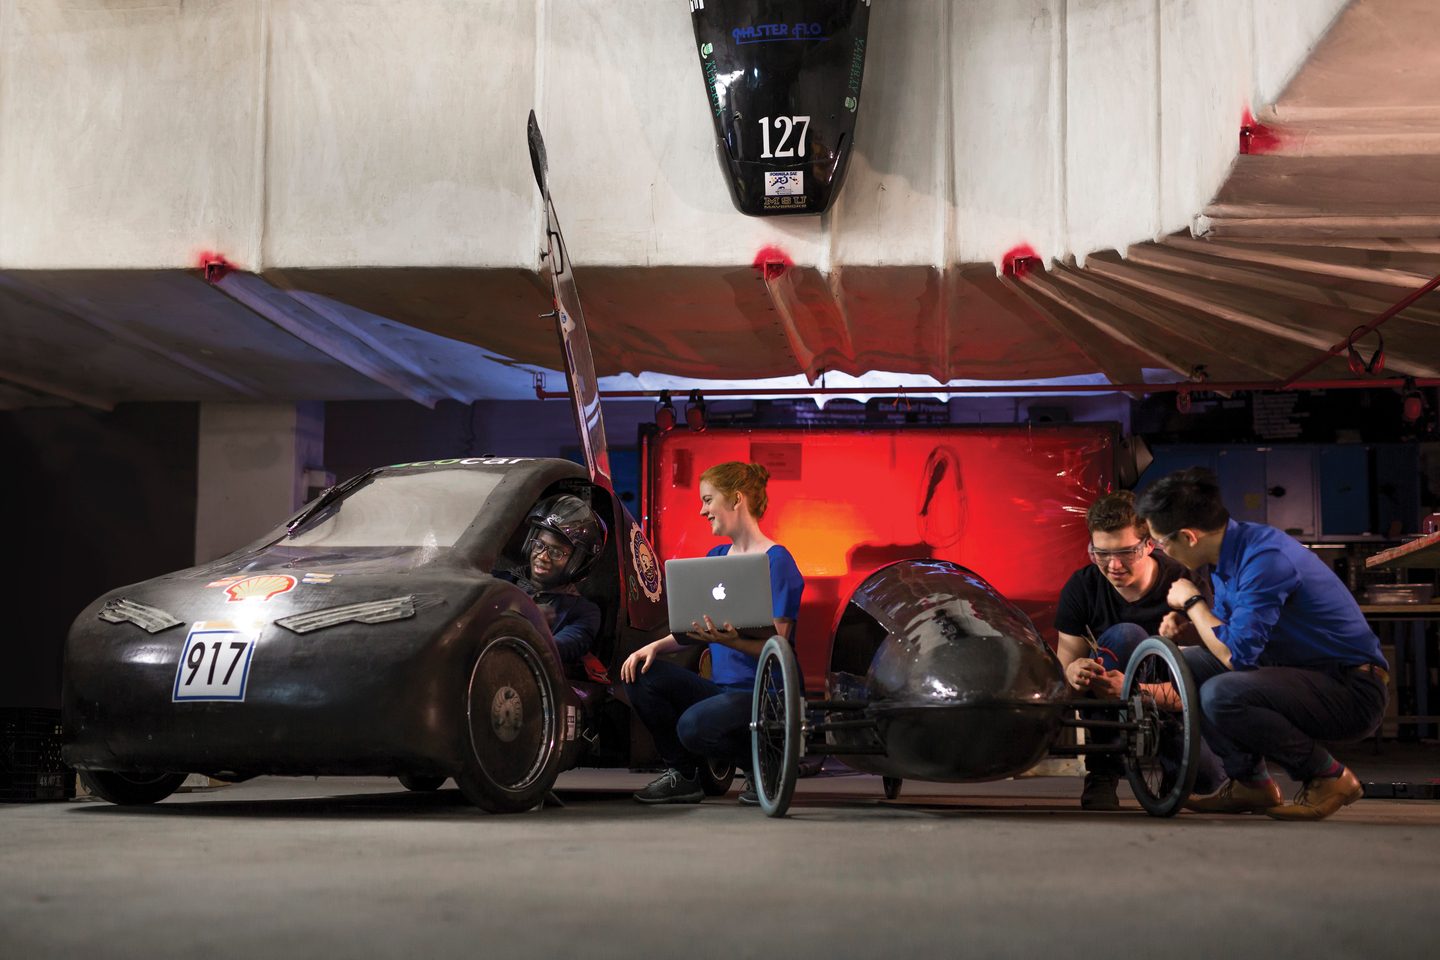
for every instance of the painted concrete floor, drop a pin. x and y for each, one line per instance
(280, 867)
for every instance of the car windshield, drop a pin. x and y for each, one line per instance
(427, 509)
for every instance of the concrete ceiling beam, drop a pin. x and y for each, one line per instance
(61, 391)
(91, 314)
(1276, 282)
(1211, 301)
(1320, 260)
(335, 313)
(1202, 341)
(305, 324)
(1097, 346)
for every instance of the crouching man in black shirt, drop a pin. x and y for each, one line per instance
(1106, 609)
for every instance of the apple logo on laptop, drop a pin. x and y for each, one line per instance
(719, 592)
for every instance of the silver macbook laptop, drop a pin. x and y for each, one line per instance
(730, 589)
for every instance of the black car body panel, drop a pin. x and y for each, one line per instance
(783, 82)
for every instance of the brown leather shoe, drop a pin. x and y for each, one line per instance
(1235, 797)
(1320, 797)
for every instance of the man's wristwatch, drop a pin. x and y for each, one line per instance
(1185, 607)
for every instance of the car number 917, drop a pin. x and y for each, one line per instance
(214, 663)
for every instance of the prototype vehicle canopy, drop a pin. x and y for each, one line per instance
(783, 81)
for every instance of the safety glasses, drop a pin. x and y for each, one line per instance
(1126, 555)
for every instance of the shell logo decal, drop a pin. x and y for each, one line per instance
(260, 588)
(647, 571)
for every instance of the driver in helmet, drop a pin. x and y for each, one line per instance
(564, 538)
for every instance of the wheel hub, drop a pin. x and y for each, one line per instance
(507, 714)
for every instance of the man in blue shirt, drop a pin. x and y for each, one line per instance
(1288, 658)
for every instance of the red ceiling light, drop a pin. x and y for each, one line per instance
(695, 412)
(664, 413)
(1255, 137)
(1412, 403)
(1019, 261)
(772, 262)
(214, 266)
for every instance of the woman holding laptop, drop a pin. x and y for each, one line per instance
(692, 718)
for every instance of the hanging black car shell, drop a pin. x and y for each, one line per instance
(783, 84)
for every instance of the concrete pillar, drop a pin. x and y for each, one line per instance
(253, 465)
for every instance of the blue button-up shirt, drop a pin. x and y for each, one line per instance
(1282, 606)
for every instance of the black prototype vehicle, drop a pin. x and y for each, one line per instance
(935, 676)
(368, 636)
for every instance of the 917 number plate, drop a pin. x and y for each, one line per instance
(214, 663)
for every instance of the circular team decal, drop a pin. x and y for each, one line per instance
(647, 571)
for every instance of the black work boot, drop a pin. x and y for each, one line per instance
(1099, 792)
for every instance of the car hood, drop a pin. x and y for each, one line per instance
(301, 598)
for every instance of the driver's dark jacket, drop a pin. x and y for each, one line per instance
(574, 621)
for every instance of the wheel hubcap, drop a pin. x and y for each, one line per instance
(511, 714)
(507, 714)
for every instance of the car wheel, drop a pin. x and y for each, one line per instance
(1164, 705)
(513, 745)
(892, 787)
(715, 777)
(775, 727)
(131, 789)
(419, 783)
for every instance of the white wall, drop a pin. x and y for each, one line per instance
(336, 133)
(129, 133)
(251, 470)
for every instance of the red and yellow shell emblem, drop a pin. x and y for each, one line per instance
(260, 588)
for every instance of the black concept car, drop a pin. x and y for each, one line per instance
(368, 636)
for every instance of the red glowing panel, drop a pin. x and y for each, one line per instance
(1007, 502)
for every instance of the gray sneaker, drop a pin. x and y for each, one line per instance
(748, 797)
(672, 786)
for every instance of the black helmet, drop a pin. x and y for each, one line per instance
(571, 519)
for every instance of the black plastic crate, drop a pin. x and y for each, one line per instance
(30, 764)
